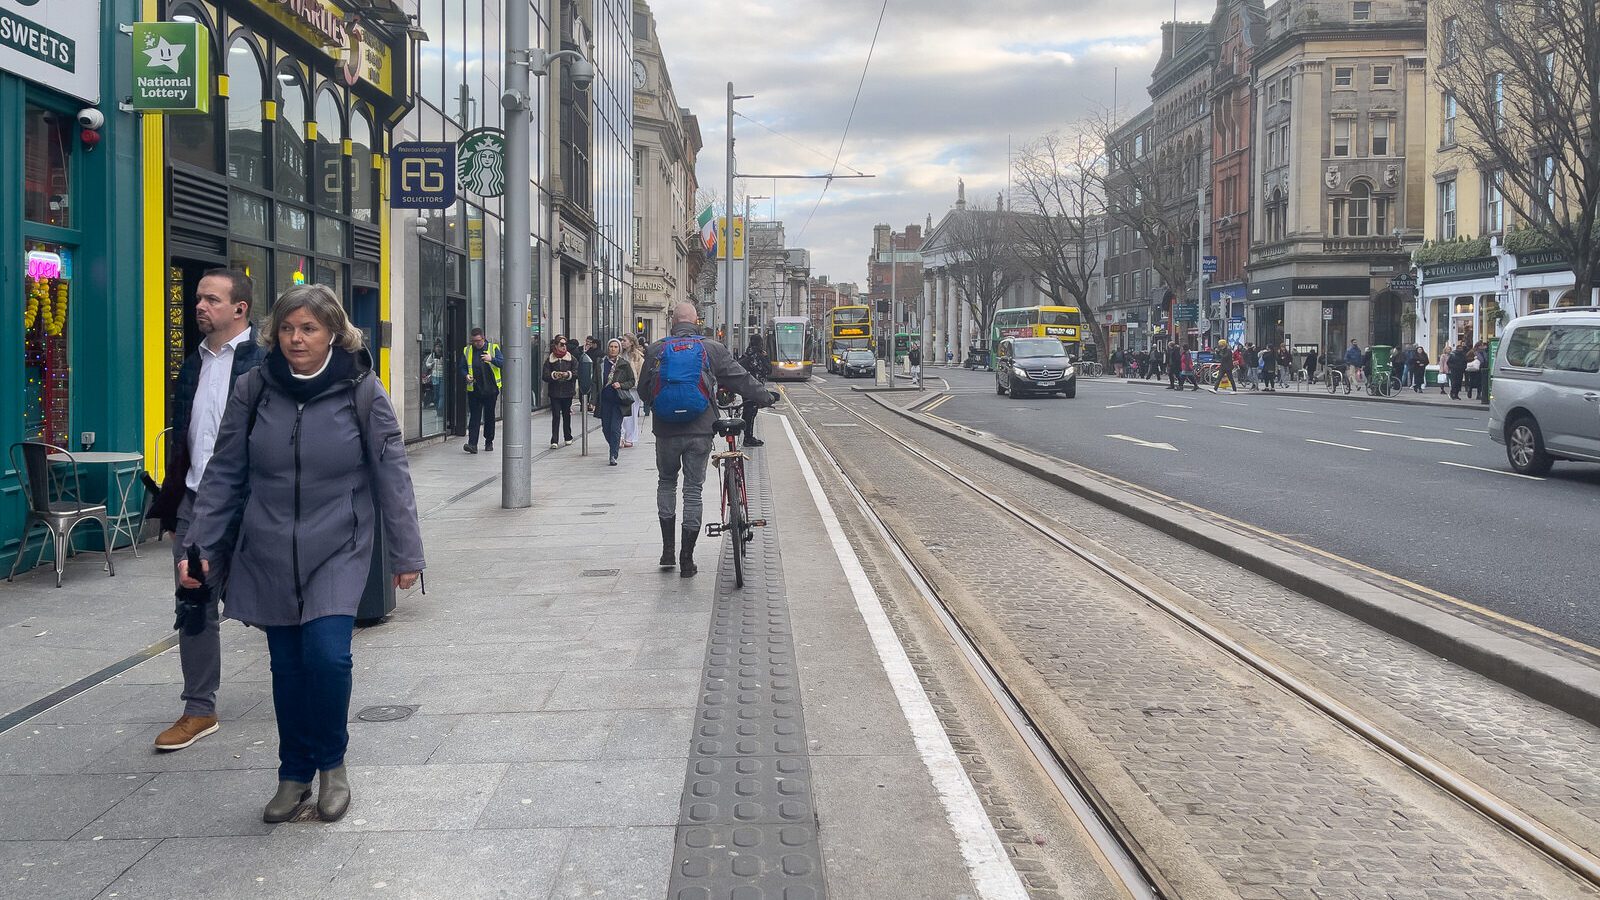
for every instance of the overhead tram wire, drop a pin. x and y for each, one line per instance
(809, 149)
(848, 120)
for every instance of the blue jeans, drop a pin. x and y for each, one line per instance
(311, 694)
(611, 415)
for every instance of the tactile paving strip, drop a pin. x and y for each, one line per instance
(746, 825)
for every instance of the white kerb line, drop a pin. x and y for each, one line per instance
(987, 862)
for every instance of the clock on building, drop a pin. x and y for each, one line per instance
(638, 75)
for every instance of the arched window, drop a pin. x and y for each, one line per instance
(193, 138)
(247, 145)
(329, 152)
(1570, 298)
(1357, 220)
(1538, 300)
(291, 176)
(362, 193)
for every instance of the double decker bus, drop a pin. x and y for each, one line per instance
(1064, 323)
(789, 344)
(847, 328)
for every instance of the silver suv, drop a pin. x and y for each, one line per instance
(1545, 402)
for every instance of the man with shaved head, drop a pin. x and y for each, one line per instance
(682, 373)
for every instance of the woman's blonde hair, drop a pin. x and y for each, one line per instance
(324, 306)
(632, 349)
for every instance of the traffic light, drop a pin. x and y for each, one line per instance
(638, 325)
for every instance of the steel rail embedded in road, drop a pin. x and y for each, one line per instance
(1559, 848)
(1118, 849)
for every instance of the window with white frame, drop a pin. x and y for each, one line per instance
(1497, 94)
(1357, 209)
(1380, 136)
(1344, 76)
(1449, 131)
(1452, 39)
(1447, 210)
(1341, 136)
(1494, 202)
(1362, 11)
(1380, 216)
(1382, 76)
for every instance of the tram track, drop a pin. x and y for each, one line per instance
(1138, 870)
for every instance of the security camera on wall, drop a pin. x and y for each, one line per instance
(582, 73)
(91, 118)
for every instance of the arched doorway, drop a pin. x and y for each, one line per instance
(1386, 309)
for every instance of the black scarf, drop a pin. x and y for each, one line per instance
(341, 367)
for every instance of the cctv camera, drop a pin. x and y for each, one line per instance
(513, 100)
(582, 74)
(92, 118)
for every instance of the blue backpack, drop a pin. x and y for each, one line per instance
(681, 392)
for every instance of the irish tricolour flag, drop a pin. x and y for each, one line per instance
(708, 232)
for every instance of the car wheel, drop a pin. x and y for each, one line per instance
(1525, 447)
(1072, 389)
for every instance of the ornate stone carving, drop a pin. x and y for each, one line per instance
(1333, 178)
(1391, 175)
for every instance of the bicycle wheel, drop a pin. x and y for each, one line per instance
(734, 519)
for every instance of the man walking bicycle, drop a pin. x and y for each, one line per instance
(682, 372)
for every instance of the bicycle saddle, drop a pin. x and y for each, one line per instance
(729, 427)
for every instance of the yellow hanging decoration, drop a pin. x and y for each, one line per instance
(60, 323)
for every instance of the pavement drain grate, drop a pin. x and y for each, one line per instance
(747, 825)
(600, 573)
(600, 513)
(386, 713)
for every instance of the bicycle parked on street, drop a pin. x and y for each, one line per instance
(736, 520)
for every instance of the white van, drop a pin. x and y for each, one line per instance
(1545, 401)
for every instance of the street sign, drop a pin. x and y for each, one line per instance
(1327, 314)
(481, 162)
(1208, 265)
(1402, 283)
(1186, 312)
(171, 67)
(422, 175)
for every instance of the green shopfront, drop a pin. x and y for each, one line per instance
(69, 240)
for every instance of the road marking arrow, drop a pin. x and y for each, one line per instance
(1409, 437)
(1154, 445)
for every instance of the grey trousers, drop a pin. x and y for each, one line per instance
(686, 453)
(200, 654)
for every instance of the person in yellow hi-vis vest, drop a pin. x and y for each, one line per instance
(480, 363)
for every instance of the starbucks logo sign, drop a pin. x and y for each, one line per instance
(481, 162)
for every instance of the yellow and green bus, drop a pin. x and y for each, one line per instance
(1065, 323)
(846, 328)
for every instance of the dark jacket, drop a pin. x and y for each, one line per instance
(561, 388)
(1457, 361)
(915, 356)
(310, 499)
(601, 385)
(756, 363)
(246, 356)
(724, 372)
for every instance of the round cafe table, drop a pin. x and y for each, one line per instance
(124, 477)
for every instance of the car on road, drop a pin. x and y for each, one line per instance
(1544, 402)
(1034, 365)
(858, 362)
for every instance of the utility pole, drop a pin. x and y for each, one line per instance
(1200, 252)
(516, 463)
(727, 251)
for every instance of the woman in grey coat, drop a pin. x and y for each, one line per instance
(308, 457)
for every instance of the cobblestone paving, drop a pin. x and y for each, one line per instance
(1283, 804)
(1544, 760)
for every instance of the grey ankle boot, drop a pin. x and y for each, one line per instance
(286, 802)
(333, 794)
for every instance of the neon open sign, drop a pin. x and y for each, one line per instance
(42, 264)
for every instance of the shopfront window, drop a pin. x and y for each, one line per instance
(1441, 326)
(432, 327)
(292, 269)
(247, 146)
(46, 175)
(329, 147)
(1538, 300)
(361, 177)
(47, 289)
(1491, 317)
(257, 263)
(291, 170)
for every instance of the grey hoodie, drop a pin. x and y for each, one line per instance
(304, 546)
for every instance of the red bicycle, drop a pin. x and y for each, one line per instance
(736, 519)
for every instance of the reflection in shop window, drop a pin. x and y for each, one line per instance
(247, 147)
(329, 152)
(46, 173)
(291, 128)
(47, 287)
(361, 174)
(255, 262)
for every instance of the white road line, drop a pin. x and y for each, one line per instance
(1310, 412)
(1491, 471)
(987, 862)
(819, 379)
(1370, 419)
(1172, 418)
(1235, 403)
(1237, 428)
(1410, 437)
(1484, 430)
(840, 424)
(1332, 444)
(1154, 445)
(1129, 403)
(1177, 406)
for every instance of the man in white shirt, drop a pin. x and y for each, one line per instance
(222, 311)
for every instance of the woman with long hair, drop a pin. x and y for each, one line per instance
(630, 422)
(309, 459)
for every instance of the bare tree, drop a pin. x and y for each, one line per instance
(1059, 211)
(1524, 77)
(983, 262)
(1143, 192)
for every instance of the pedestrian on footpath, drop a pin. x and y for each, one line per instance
(480, 363)
(309, 458)
(682, 372)
(634, 354)
(755, 362)
(1174, 367)
(1186, 369)
(1269, 369)
(1224, 357)
(1419, 368)
(1312, 364)
(561, 374)
(1352, 364)
(914, 356)
(613, 375)
(1285, 364)
(1477, 364)
(1458, 368)
(222, 305)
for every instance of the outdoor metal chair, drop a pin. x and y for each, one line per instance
(32, 463)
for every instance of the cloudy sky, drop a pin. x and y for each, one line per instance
(950, 80)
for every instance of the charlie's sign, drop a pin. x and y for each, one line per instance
(320, 18)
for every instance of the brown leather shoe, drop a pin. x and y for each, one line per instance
(186, 731)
